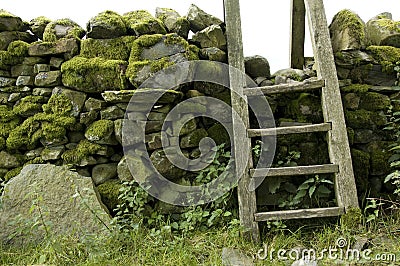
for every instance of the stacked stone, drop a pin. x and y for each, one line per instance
(63, 100)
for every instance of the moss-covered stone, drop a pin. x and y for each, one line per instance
(306, 108)
(14, 55)
(382, 30)
(351, 219)
(387, 56)
(100, 130)
(347, 31)
(173, 21)
(373, 101)
(360, 119)
(117, 49)
(109, 192)
(12, 173)
(29, 105)
(107, 24)
(38, 25)
(141, 22)
(379, 158)
(356, 88)
(8, 121)
(64, 47)
(94, 74)
(10, 22)
(84, 149)
(361, 166)
(62, 28)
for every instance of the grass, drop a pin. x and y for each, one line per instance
(148, 247)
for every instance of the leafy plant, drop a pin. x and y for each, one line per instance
(371, 210)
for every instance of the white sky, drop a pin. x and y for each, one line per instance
(265, 23)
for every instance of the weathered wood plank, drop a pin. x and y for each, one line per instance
(306, 85)
(298, 214)
(246, 198)
(297, 33)
(339, 150)
(289, 130)
(295, 170)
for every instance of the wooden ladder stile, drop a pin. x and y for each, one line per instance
(334, 123)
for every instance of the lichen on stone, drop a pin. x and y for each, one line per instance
(100, 129)
(387, 56)
(111, 49)
(83, 149)
(141, 22)
(389, 24)
(353, 22)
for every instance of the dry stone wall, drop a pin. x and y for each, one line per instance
(64, 91)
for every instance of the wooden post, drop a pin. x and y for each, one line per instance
(297, 33)
(246, 198)
(339, 150)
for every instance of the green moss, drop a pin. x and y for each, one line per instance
(14, 55)
(58, 104)
(361, 165)
(142, 42)
(374, 101)
(100, 128)
(306, 108)
(94, 74)
(160, 64)
(6, 14)
(75, 30)
(2, 143)
(109, 193)
(111, 18)
(117, 49)
(357, 88)
(83, 149)
(350, 20)
(29, 105)
(389, 24)
(387, 56)
(18, 48)
(12, 173)
(361, 119)
(141, 22)
(352, 218)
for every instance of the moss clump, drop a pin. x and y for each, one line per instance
(389, 24)
(387, 56)
(357, 88)
(141, 22)
(116, 49)
(100, 129)
(142, 42)
(83, 149)
(109, 192)
(374, 101)
(29, 105)
(58, 104)
(94, 74)
(109, 20)
(2, 143)
(352, 218)
(14, 55)
(73, 30)
(12, 173)
(351, 21)
(361, 119)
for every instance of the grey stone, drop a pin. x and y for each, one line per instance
(290, 73)
(52, 153)
(349, 59)
(8, 37)
(257, 66)
(68, 203)
(116, 158)
(372, 75)
(234, 257)
(88, 161)
(14, 97)
(213, 54)
(4, 97)
(93, 104)
(173, 21)
(112, 113)
(124, 174)
(41, 68)
(25, 81)
(164, 166)
(33, 60)
(42, 92)
(351, 101)
(7, 82)
(10, 22)
(56, 62)
(63, 46)
(212, 36)
(106, 25)
(77, 98)
(118, 96)
(347, 31)
(21, 70)
(63, 28)
(103, 172)
(38, 25)
(48, 79)
(118, 129)
(153, 141)
(8, 161)
(101, 132)
(88, 118)
(160, 50)
(32, 154)
(141, 22)
(199, 20)
(382, 30)
(144, 95)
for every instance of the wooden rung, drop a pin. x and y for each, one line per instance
(306, 85)
(289, 130)
(298, 214)
(296, 170)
